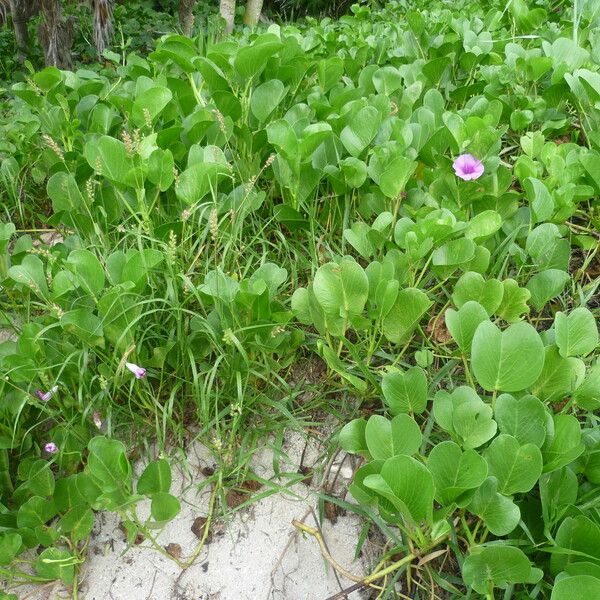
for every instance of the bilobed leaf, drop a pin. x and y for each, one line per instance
(385, 438)
(352, 437)
(509, 360)
(341, 289)
(463, 323)
(408, 485)
(155, 478)
(499, 566)
(546, 285)
(64, 192)
(108, 157)
(266, 98)
(88, 270)
(164, 507)
(578, 586)
(472, 286)
(405, 391)
(361, 130)
(499, 513)
(408, 309)
(523, 418)
(576, 333)
(454, 471)
(516, 467)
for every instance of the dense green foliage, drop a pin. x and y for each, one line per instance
(226, 207)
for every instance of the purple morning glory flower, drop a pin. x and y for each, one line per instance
(467, 167)
(51, 448)
(45, 396)
(139, 372)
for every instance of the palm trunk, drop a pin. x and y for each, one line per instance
(227, 10)
(103, 26)
(252, 14)
(21, 11)
(56, 35)
(186, 16)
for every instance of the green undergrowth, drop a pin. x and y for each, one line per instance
(230, 215)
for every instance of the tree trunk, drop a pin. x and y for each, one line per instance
(21, 11)
(103, 26)
(186, 16)
(56, 35)
(252, 14)
(227, 10)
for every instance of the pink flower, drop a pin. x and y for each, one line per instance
(97, 419)
(139, 372)
(45, 396)
(51, 448)
(467, 167)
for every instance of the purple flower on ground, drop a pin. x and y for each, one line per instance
(467, 167)
(51, 448)
(45, 396)
(139, 372)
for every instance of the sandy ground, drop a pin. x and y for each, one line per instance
(255, 553)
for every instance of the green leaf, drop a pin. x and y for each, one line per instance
(540, 200)
(579, 586)
(109, 468)
(408, 485)
(454, 253)
(558, 492)
(149, 104)
(472, 286)
(161, 168)
(352, 437)
(499, 513)
(516, 467)
(498, 566)
(88, 270)
(361, 130)
(454, 471)
(83, 323)
(64, 192)
(483, 225)
(391, 174)
(252, 59)
(385, 438)
(164, 507)
(514, 301)
(405, 391)
(10, 544)
(35, 511)
(31, 274)
(199, 180)
(54, 563)
(579, 539)
(463, 323)
(77, 522)
(108, 157)
(576, 333)
(523, 418)
(546, 285)
(509, 360)
(155, 478)
(587, 395)
(464, 415)
(564, 444)
(341, 289)
(266, 98)
(558, 377)
(408, 309)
